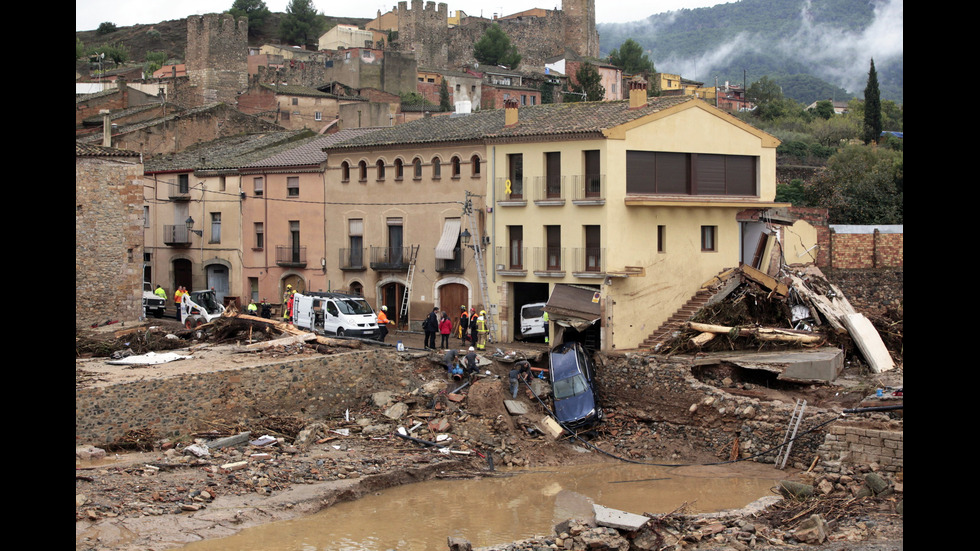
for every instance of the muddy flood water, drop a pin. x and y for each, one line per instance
(419, 517)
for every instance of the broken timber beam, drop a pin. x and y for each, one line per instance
(285, 341)
(761, 333)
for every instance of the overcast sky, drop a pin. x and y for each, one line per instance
(90, 13)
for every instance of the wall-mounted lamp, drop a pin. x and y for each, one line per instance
(190, 227)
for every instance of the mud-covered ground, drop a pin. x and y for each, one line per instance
(167, 496)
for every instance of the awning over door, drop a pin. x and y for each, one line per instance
(447, 243)
(573, 306)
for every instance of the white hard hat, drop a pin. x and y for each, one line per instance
(384, 308)
(472, 349)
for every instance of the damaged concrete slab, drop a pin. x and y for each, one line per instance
(802, 366)
(621, 520)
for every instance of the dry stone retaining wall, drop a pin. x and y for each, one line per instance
(316, 388)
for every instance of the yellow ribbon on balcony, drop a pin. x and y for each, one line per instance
(507, 187)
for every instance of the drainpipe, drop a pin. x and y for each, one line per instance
(106, 128)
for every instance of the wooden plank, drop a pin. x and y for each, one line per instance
(869, 342)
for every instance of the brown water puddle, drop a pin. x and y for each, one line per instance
(419, 517)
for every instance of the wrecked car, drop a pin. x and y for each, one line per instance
(572, 376)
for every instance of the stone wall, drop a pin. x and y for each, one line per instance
(315, 388)
(217, 56)
(108, 238)
(859, 445)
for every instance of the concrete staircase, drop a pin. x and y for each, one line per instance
(684, 314)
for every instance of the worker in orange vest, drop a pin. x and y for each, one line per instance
(383, 323)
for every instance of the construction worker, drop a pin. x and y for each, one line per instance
(547, 327)
(286, 296)
(464, 323)
(266, 310)
(383, 322)
(481, 330)
(160, 292)
(473, 326)
(252, 307)
(178, 299)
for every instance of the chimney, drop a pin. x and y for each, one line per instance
(638, 94)
(510, 112)
(106, 128)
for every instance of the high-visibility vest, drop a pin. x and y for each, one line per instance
(382, 318)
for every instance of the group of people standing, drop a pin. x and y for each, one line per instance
(178, 297)
(471, 327)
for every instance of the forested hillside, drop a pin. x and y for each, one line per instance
(815, 49)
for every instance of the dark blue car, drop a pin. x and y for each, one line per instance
(572, 377)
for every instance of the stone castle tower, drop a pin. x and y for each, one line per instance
(424, 32)
(217, 56)
(581, 35)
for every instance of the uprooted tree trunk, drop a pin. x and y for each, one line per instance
(761, 333)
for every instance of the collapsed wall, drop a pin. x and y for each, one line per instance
(679, 408)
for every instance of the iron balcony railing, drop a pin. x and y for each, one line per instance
(390, 259)
(514, 192)
(512, 259)
(589, 187)
(176, 235)
(589, 259)
(451, 266)
(288, 255)
(548, 259)
(547, 188)
(352, 259)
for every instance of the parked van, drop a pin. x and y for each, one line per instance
(335, 313)
(532, 320)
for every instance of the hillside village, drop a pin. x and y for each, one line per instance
(647, 222)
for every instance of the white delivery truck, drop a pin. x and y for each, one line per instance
(335, 313)
(532, 321)
(199, 307)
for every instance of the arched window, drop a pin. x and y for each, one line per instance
(475, 166)
(381, 170)
(362, 171)
(345, 171)
(418, 168)
(455, 167)
(436, 168)
(399, 169)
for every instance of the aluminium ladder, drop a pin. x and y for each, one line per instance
(403, 311)
(794, 425)
(482, 276)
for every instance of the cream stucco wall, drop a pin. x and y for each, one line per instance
(633, 307)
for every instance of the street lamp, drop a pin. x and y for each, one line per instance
(190, 227)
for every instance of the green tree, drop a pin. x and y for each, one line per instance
(872, 107)
(301, 24)
(547, 92)
(116, 53)
(106, 27)
(824, 109)
(154, 61)
(631, 58)
(862, 185)
(791, 193)
(79, 48)
(494, 48)
(255, 10)
(444, 97)
(588, 81)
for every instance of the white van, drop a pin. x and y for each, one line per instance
(336, 313)
(532, 320)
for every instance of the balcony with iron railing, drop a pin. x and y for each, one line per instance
(548, 261)
(511, 261)
(289, 256)
(588, 262)
(452, 265)
(352, 260)
(548, 191)
(176, 235)
(511, 193)
(390, 259)
(589, 189)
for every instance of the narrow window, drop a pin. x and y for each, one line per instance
(362, 171)
(292, 186)
(380, 165)
(418, 168)
(516, 240)
(183, 183)
(215, 227)
(455, 167)
(355, 236)
(553, 239)
(258, 185)
(475, 166)
(345, 171)
(593, 250)
(399, 169)
(436, 168)
(709, 237)
(259, 235)
(515, 173)
(661, 239)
